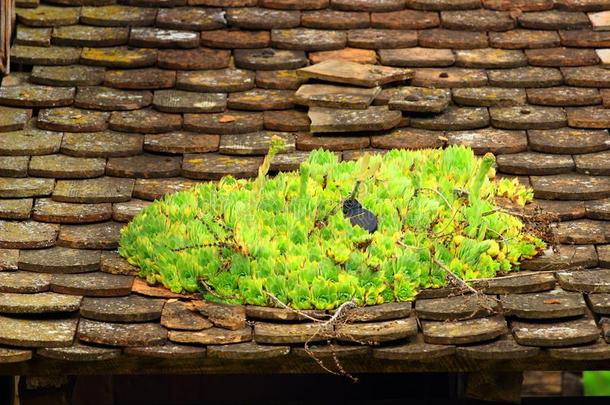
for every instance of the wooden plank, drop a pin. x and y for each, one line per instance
(492, 386)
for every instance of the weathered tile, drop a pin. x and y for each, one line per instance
(181, 142)
(560, 210)
(269, 59)
(140, 79)
(113, 263)
(599, 303)
(119, 57)
(141, 287)
(13, 119)
(29, 142)
(285, 162)
(144, 166)
(101, 144)
(416, 57)
(569, 140)
(489, 96)
(193, 59)
(273, 333)
(589, 281)
(66, 167)
(212, 336)
(247, 351)
(131, 308)
(603, 252)
(163, 38)
(583, 231)
(571, 187)
(605, 94)
(554, 20)
(125, 212)
(349, 54)
(454, 118)
(167, 351)
(524, 39)
(216, 81)
(517, 284)
(533, 163)
(232, 38)
(33, 36)
(585, 39)
(595, 164)
(544, 305)
(79, 352)
(74, 75)
(72, 119)
(14, 166)
(599, 20)
(525, 77)
(278, 79)
(504, 348)
(95, 284)
(373, 333)
(490, 140)
(152, 189)
(39, 55)
(414, 350)
(307, 142)
(340, 71)
(212, 166)
(599, 350)
(561, 56)
(450, 77)
(326, 95)
(104, 235)
(23, 282)
(144, 121)
(15, 208)
(224, 3)
(118, 16)
(100, 190)
(405, 20)
(9, 259)
(121, 334)
(39, 303)
(36, 96)
(27, 234)
(527, 117)
(588, 117)
(59, 260)
(286, 121)
(37, 332)
(477, 20)
(334, 19)
(109, 99)
(375, 118)
(372, 38)
(48, 210)
(419, 99)
(227, 316)
(295, 4)
(463, 332)
(84, 35)
(191, 18)
(557, 334)
(229, 122)
(256, 143)
(522, 5)
(442, 38)
(564, 96)
(25, 187)
(14, 355)
(255, 18)
(490, 58)
(455, 308)
(367, 5)
(440, 5)
(48, 16)
(179, 315)
(261, 100)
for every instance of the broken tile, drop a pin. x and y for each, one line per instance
(140, 79)
(349, 54)
(216, 81)
(233, 38)
(131, 308)
(524, 39)
(79, 352)
(554, 20)
(66, 167)
(179, 315)
(59, 260)
(144, 166)
(278, 79)
(375, 118)
(39, 303)
(39, 55)
(557, 334)
(544, 305)
(212, 166)
(326, 95)
(14, 166)
(569, 140)
(27, 234)
(15, 209)
(232, 317)
(405, 20)
(100, 190)
(261, 100)
(255, 143)
(25, 187)
(229, 122)
(340, 71)
(193, 59)
(532, 163)
(74, 75)
(307, 142)
(101, 144)
(454, 118)
(442, 38)
(33, 36)
(181, 142)
(83, 35)
(48, 16)
(588, 117)
(269, 59)
(561, 56)
(490, 140)
(36, 96)
(372, 38)
(163, 38)
(463, 332)
(527, 117)
(286, 121)
(191, 18)
(121, 334)
(416, 57)
(450, 77)
(72, 119)
(420, 99)
(13, 119)
(525, 77)
(144, 121)
(37, 332)
(600, 20)
(118, 16)
(595, 164)
(109, 99)
(255, 18)
(152, 189)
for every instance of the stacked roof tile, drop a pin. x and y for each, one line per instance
(114, 105)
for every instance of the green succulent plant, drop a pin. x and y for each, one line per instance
(244, 241)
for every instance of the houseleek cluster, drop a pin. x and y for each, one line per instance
(285, 237)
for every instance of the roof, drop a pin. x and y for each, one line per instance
(116, 105)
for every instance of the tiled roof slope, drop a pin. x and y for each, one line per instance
(118, 104)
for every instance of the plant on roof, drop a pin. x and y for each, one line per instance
(286, 237)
